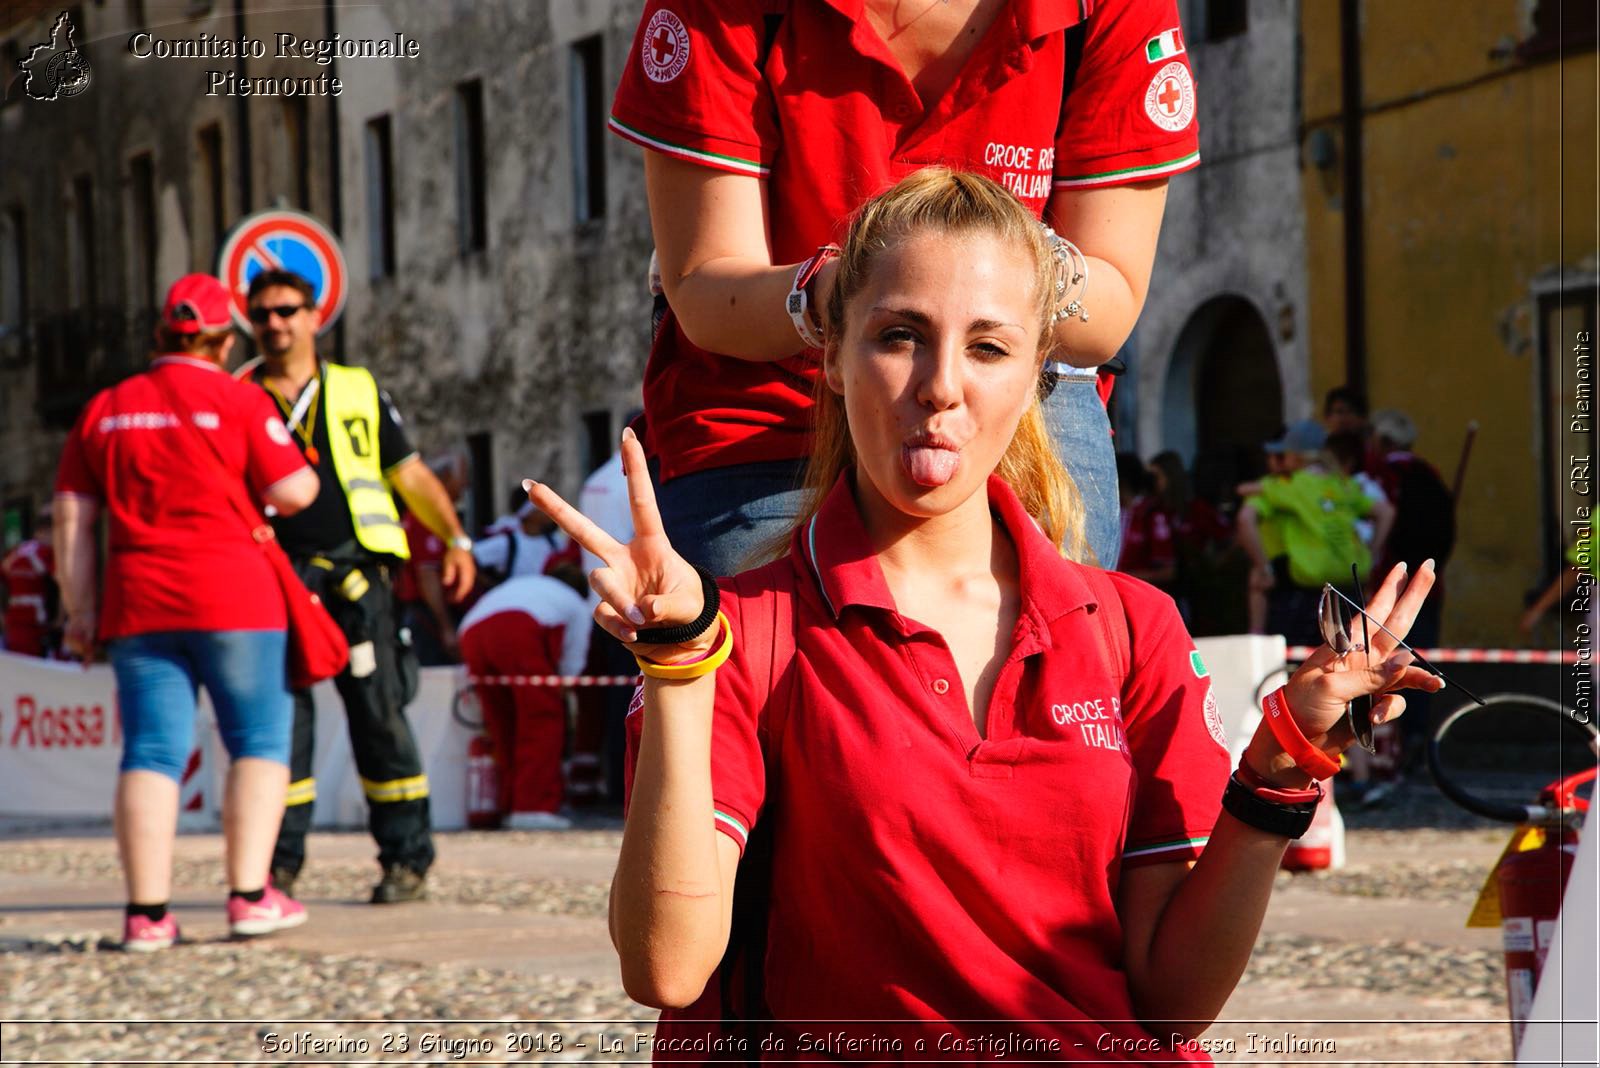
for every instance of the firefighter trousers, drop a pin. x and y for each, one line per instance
(372, 687)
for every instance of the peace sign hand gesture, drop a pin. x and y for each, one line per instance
(644, 583)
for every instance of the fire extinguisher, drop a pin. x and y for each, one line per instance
(483, 785)
(1530, 878)
(1531, 884)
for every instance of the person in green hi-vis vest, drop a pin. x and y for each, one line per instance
(1314, 512)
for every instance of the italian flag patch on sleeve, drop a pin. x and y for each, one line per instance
(1166, 46)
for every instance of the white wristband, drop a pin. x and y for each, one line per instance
(797, 304)
(462, 542)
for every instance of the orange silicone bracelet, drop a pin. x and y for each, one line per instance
(1307, 757)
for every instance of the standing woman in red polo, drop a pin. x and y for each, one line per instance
(768, 122)
(188, 599)
(995, 777)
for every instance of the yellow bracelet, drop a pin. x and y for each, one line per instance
(694, 668)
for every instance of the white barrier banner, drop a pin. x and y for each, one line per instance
(61, 742)
(60, 738)
(1241, 666)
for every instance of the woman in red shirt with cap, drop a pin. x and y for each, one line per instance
(994, 775)
(188, 598)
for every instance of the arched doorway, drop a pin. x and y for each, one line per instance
(1223, 398)
(1223, 394)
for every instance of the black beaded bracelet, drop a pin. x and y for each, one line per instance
(1274, 817)
(688, 632)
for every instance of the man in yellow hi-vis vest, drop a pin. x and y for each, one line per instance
(346, 546)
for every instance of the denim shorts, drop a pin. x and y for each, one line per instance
(157, 676)
(1081, 431)
(721, 517)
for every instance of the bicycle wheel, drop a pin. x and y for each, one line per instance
(1495, 758)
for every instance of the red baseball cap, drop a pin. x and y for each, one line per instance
(196, 304)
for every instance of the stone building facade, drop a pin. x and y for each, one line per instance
(496, 237)
(1219, 354)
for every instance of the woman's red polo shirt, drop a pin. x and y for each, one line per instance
(923, 873)
(807, 96)
(181, 557)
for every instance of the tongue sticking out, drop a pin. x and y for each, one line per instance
(930, 466)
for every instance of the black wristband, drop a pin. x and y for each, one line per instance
(688, 632)
(1274, 817)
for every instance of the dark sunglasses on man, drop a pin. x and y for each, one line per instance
(1335, 619)
(262, 315)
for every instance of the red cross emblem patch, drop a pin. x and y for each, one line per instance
(1169, 101)
(666, 47)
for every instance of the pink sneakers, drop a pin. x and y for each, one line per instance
(140, 934)
(274, 912)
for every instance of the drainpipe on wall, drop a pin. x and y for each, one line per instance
(335, 182)
(242, 102)
(1355, 293)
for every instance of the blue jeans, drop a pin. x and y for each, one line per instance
(244, 672)
(1081, 431)
(721, 518)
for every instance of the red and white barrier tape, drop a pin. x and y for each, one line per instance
(1295, 652)
(1473, 656)
(555, 680)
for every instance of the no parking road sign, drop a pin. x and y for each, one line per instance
(289, 241)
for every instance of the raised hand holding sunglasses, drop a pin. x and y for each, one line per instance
(1336, 614)
(1319, 695)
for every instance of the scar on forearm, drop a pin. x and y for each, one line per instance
(687, 893)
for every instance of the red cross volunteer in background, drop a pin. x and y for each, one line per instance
(768, 123)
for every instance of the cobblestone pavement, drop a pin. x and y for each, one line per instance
(1372, 960)
(342, 880)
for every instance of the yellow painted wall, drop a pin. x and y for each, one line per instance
(1412, 45)
(1464, 207)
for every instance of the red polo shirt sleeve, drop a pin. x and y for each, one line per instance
(738, 765)
(691, 87)
(271, 453)
(1174, 734)
(1131, 113)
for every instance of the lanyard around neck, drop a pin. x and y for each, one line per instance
(307, 395)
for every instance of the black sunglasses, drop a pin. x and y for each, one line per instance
(261, 316)
(1335, 619)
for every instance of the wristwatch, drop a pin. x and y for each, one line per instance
(462, 542)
